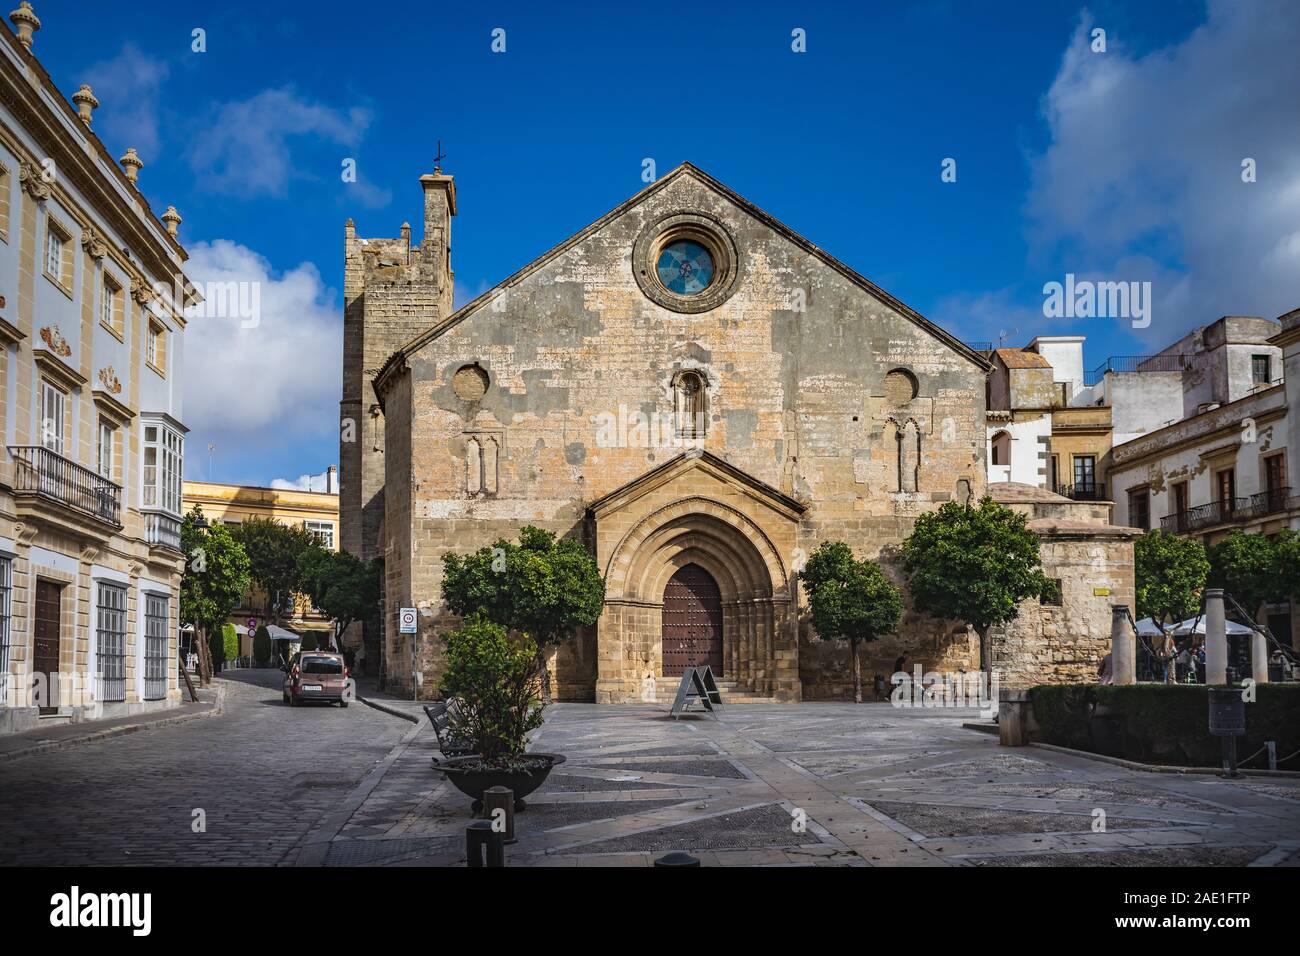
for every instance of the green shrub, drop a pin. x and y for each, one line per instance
(309, 641)
(217, 648)
(1160, 723)
(262, 645)
(498, 683)
(229, 642)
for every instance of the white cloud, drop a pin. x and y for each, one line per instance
(245, 148)
(318, 482)
(129, 87)
(1142, 177)
(254, 388)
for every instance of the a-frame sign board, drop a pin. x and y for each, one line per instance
(697, 685)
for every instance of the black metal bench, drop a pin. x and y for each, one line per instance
(440, 714)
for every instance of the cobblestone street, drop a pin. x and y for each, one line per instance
(264, 774)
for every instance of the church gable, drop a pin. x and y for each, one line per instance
(686, 211)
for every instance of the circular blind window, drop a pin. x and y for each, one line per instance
(900, 387)
(469, 383)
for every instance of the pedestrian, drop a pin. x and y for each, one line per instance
(900, 664)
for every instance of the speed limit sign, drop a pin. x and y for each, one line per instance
(406, 621)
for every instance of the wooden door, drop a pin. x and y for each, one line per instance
(45, 654)
(692, 621)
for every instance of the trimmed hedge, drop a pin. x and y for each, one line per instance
(262, 645)
(229, 642)
(1161, 723)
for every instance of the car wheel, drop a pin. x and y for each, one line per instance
(343, 703)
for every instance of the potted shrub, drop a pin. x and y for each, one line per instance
(497, 683)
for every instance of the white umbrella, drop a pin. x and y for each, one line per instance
(1185, 627)
(1148, 628)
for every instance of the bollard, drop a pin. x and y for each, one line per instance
(483, 846)
(501, 799)
(1216, 638)
(677, 859)
(1259, 657)
(1227, 722)
(1123, 646)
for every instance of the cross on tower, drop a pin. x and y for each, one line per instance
(437, 159)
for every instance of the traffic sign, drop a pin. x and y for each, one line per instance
(406, 621)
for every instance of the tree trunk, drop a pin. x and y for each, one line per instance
(857, 673)
(544, 673)
(205, 656)
(986, 651)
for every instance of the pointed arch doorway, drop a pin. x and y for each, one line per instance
(692, 621)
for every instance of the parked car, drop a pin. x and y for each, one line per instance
(316, 675)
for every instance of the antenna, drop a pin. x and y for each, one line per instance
(1003, 335)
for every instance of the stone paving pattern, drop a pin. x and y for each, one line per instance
(821, 784)
(877, 786)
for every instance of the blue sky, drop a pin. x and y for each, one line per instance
(1122, 165)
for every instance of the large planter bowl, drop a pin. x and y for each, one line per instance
(466, 777)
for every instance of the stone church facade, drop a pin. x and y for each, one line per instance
(690, 388)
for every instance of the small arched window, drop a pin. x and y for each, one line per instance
(690, 404)
(1001, 449)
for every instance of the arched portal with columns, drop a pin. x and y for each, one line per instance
(644, 541)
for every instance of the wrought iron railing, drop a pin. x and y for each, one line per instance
(1269, 502)
(1138, 363)
(1229, 510)
(1202, 516)
(1084, 491)
(162, 529)
(43, 472)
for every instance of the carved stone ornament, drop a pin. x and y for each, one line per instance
(140, 292)
(93, 243)
(29, 177)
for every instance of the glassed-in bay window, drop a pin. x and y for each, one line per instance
(164, 451)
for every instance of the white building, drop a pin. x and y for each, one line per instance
(91, 359)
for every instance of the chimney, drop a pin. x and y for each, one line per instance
(331, 480)
(439, 207)
(25, 23)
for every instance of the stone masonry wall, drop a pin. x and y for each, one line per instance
(795, 362)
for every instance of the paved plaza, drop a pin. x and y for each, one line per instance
(817, 784)
(822, 784)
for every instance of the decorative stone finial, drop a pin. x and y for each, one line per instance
(25, 22)
(131, 164)
(86, 102)
(172, 218)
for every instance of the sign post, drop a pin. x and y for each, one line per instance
(407, 624)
